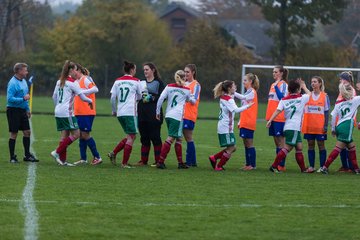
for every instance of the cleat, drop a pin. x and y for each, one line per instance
(96, 161)
(343, 169)
(14, 159)
(274, 169)
(318, 171)
(81, 162)
(161, 165)
(182, 166)
(249, 168)
(357, 171)
(281, 168)
(324, 170)
(141, 163)
(67, 164)
(153, 164)
(219, 169)
(126, 166)
(56, 156)
(112, 157)
(212, 161)
(30, 158)
(309, 170)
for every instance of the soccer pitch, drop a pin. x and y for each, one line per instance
(106, 202)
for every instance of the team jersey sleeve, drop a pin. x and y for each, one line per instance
(305, 98)
(239, 96)
(232, 107)
(90, 86)
(197, 91)
(113, 92)
(356, 101)
(55, 95)
(162, 97)
(11, 90)
(280, 106)
(333, 117)
(74, 87)
(138, 91)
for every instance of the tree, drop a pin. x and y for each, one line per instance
(297, 18)
(206, 46)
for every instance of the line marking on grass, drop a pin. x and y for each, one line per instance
(149, 204)
(27, 204)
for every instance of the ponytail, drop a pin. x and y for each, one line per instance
(346, 91)
(180, 77)
(255, 83)
(128, 66)
(222, 88)
(284, 71)
(65, 71)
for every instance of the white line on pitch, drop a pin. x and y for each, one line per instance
(27, 203)
(150, 204)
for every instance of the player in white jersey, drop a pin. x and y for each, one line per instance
(225, 128)
(124, 96)
(63, 96)
(293, 107)
(344, 111)
(177, 95)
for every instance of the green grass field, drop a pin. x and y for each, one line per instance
(106, 202)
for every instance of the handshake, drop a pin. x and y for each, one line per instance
(147, 97)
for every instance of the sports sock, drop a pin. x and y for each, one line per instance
(311, 156)
(92, 145)
(62, 155)
(282, 163)
(126, 154)
(333, 155)
(252, 158)
(219, 154)
(344, 158)
(280, 157)
(164, 151)
(26, 144)
(157, 152)
(247, 157)
(224, 158)
(120, 146)
(178, 151)
(322, 154)
(145, 153)
(300, 160)
(190, 153)
(64, 144)
(82, 146)
(12, 147)
(352, 158)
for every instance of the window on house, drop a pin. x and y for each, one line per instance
(178, 23)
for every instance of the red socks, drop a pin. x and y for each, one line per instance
(280, 156)
(178, 151)
(64, 144)
(224, 158)
(219, 154)
(120, 146)
(333, 155)
(62, 155)
(352, 157)
(164, 151)
(145, 153)
(126, 154)
(300, 160)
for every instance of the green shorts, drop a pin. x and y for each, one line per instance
(292, 137)
(344, 131)
(129, 124)
(227, 139)
(66, 123)
(175, 127)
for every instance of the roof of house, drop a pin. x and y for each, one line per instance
(173, 6)
(250, 33)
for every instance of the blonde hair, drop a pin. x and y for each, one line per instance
(222, 88)
(180, 77)
(65, 71)
(255, 83)
(346, 91)
(320, 80)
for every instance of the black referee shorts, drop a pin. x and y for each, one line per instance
(17, 119)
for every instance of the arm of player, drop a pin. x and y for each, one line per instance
(11, 95)
(303, 86)
(239, 96)
(333, 120)
(162, 97)
(55, 96)
(93, 89)
(275, 114)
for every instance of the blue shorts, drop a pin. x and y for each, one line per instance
(318, 137)
(276, 129)
(85, 122)
(188, 124)
(246, 133)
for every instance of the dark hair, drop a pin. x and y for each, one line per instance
(284, 71)
(348, 76)
(222, 88)
(128, 66)
(82, 69)
(293, 86)
(154, 69)
(193, 69)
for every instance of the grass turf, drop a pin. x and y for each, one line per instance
(105, 202)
